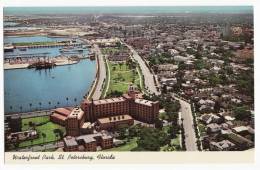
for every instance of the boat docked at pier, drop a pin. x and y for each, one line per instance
(42, 65)
(8, 48)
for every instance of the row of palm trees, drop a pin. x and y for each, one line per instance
(40, 104)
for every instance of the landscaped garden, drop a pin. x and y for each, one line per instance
(47, 131)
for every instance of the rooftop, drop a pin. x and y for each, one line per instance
(76, 112)
(144, 102)
(223, 144)
(70, 141)
(111, 100)
(115, 118)
(62, 111)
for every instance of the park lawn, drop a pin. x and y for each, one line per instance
(176, 141)
(36, 120)
(129, 146)
(47, 127)
(121, 77)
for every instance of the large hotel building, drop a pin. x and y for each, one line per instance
(108, 113)
(139, 109)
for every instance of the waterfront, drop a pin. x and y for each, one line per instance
(54, 51)
(25, 86)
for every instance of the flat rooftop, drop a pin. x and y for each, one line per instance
(70, 141)
(91, 137)
(117, 118)
(144, 102)
(111, 100)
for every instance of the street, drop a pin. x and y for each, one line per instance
(148, 76)
(190, 137)
(102, 74)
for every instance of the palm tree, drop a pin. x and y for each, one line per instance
(30, 104)
(67, 100)
(58, 103)
(11, 107)
(40, 104)
(49, 103)
(56, 136)
(21, 108)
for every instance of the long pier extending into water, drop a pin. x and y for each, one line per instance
(58, 44)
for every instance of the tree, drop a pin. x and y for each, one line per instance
(120, 65)
(115, 93)
(122, 133)
(21, 108)
(158, 124)
(152, 139)
(67, 100)
(134, 130)
(30, 106)
(40, 104)
(118, 44)
(242, 113)
(58, 132)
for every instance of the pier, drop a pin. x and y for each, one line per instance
(27, 61)
(48, 45)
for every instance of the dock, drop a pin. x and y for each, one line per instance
(27, 61)
(49, 45)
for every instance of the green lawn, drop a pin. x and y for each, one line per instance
(176, 141)
(43, 125)
(122, 77)
(129, 146)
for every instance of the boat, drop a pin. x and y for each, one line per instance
(8, 48)
(42, 65)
